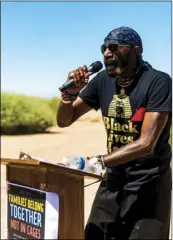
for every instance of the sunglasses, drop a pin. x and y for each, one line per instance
(113, 47)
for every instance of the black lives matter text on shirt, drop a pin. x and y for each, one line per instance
(26, 213)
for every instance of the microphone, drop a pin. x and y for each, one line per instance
(94, 67)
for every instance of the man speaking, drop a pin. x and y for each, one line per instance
(133, 201)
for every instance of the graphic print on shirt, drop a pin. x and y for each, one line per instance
(120, 130)
(120, 106)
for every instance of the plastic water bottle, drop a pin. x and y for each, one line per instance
(75, 162)
(78, 162)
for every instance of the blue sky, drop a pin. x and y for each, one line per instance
(42, 41)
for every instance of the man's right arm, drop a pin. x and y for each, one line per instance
(69, 112)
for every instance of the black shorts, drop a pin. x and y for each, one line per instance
(120, 215)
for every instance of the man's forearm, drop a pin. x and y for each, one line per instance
(153, 125)
(127, 153)
(64, 114)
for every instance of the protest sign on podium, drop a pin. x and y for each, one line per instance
(44, 200)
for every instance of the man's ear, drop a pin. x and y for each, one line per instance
(137, 49)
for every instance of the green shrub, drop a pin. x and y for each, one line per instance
(53, 103)
(23, 114)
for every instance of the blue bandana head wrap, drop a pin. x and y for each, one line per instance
(124, 35)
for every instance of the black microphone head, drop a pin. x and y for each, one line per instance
(96, 66)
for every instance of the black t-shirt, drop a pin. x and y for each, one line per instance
(123, 114)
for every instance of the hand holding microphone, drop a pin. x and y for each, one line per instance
(78, 78)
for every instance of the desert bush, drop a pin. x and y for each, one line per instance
(24, 114)
(53, 103)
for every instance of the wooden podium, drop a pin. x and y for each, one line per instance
(67, 183)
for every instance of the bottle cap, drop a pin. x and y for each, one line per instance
(81, 163)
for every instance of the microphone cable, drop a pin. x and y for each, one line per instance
(94, 182)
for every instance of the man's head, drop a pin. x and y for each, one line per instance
(122, 51)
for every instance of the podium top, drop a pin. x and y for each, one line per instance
(46, 164)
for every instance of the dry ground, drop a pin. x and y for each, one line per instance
(85, 138)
